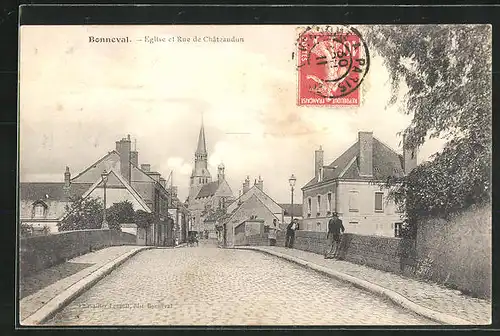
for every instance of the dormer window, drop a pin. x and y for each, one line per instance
(39, 210)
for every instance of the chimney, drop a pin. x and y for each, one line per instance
(67, 178)
(163, 182)
(123, 148)
(146, 167)
(318, 160)
(220, 173)
(365, 155)
(134, 158)
(260, 183)
(246, 184)
(409, 157)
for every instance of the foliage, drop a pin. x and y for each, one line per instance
(215, 214)
(82, 214)
(447, 70)
(122, 212)
(143, 219)
(26, 230)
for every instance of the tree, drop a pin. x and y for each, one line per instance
(122, 212)
(26, 230)
(447, 70)
(82, 214)
(143, 220)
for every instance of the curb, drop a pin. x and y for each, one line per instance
(371, 287)
(63, 299)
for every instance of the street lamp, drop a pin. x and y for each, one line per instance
(292, 181)
(104, 177)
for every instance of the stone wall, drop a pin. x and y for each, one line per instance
(384, 253)
(458, 251)
(263, 240)
(40, 252)
(455, 252)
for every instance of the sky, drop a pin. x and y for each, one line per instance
(77, 98)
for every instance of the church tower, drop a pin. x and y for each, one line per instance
(200, 175)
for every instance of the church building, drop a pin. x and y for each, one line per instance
(206, 196)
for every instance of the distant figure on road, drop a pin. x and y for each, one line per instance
(273, 230)
(335, 228)
(290, 233)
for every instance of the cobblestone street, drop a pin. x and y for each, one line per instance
(209, 286)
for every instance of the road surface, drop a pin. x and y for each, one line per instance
(206, 285)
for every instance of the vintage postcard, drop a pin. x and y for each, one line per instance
(218, 175)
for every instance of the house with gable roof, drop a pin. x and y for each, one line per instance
(350, 186)
(44, 203)
(145, 189)
(251, 214)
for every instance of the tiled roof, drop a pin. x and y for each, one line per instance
(386, 162)
(208, 189)
(50, 190)
(296, 210)
(111, 156)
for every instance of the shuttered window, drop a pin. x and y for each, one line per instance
(353, 201)
(379, 202)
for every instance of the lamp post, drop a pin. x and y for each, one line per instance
(104, 177)
(292, 181)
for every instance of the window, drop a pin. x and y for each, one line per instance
(353, 201)
(397, 229)
(39, 210)
(320, 174)
(222, 203)
(319, 204)
(379, 206)
(329, 202)
(309, 205)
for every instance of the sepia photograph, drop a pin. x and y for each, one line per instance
(255, 175)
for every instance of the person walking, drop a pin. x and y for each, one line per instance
(335, 228)
(273, 230)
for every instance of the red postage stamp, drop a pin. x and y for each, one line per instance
(332, 63)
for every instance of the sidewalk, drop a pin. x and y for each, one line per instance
(428, 295)
(37, 290)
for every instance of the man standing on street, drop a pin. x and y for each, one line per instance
(335, 228)
(273, 230)
(290, 232)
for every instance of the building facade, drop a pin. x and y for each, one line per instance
(351, 186)
(253, 206)
(205, 195)
(146, 190)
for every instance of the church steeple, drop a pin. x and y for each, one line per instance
(202, 146)
(200, 174)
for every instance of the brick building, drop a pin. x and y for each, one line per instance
(350, 186)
